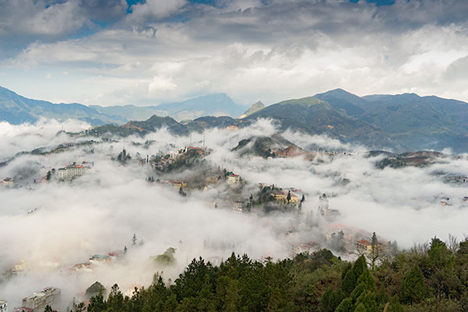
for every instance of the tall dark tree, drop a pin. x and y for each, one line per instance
(374, 254)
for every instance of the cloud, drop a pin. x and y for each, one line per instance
(251, 50)
(154, 9)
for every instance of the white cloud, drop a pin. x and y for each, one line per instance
(253, 51)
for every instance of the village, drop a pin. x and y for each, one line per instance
(187, 171)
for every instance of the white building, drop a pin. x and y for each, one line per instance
(40, 299)
(73, 170)
(8, 182)
(3, 306)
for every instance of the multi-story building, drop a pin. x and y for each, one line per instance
(39, 300)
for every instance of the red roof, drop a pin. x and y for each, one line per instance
(364, 242)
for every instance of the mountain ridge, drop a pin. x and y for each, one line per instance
(403, 122)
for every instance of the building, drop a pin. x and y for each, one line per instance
(3, 306)
(309, 248)
(282, 197)
(40, 299)
(195, 150)
(233, 179)
(179, 184)
(99, 259)
(81, 268)
(364, 246)
(72, 171)
(8, 182)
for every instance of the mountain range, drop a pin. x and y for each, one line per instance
(404, 122)
(17, 109)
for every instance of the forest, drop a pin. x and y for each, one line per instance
(429, 277)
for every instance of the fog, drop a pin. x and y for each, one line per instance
(100, 211)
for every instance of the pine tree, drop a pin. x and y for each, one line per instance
(374, 255)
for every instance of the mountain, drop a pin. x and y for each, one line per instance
(274, 146)
(213, 122)
(129, 112)
(17, 109)
(153, 124)
(416, 122)
(209, 105)
(403, 122)
(253, 109)
(344, 101)
(315, 116)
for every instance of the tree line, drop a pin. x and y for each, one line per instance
(431, 277)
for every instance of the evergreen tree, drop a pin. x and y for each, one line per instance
(374, 255)
(413, 286)
(395, 305)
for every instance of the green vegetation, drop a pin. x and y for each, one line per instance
(167, 258)
(423, 279)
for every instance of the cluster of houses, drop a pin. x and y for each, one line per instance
(162, 162)
(457, 179)
(38, 301)
(96, 260)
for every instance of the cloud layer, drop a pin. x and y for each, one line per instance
(100, 211)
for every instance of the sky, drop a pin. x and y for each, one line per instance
(139, 52)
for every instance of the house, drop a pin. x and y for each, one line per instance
(445, 201)
(364, 246)
(233, 179)
(195, 150)
(70, 172)
(3, 306)
(310, 248)
(81, 267)
(20, 268)
(179, 184)
(8, 182)
(99, 259)
(40, 299)
(212, 179)
(174, 154)
(281, 196)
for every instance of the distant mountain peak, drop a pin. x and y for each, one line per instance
(253, 109)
